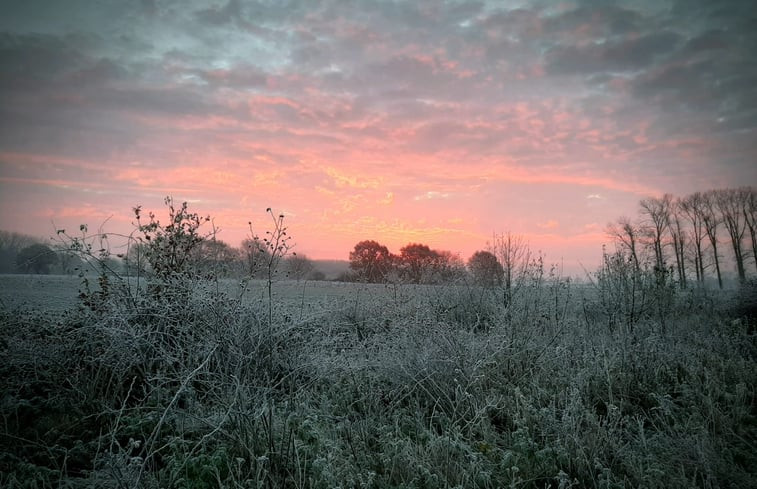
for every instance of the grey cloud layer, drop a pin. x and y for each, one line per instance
(423, 76)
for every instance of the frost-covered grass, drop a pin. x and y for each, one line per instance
(377, 386)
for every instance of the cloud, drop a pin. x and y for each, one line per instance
(629, 54)
(432, 195)
(239, 77)
(388, 199)
(711, 40)
(550, 224)
(220, 15)
(342, 179)
(343, 109)
(29, 60)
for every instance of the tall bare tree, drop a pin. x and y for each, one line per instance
(750, 217)
(693, 208)
(627, 234)
(730, 202)
(712, 220)
(657, 211)
(677, 229)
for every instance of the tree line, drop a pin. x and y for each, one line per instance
(688, 237)
(215, 256)
(503, 262)
(680, 238)
(20, 253)
(417, 263)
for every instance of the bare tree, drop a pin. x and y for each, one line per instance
(513, 253)
(627, 234)
(657, 211)
(750, 217)
(299, 266)
(712, 220)
(693, 207)
(731, 203)
(678, 233)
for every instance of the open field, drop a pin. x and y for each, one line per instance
(40, 292)
(371, 385)
(60, 292)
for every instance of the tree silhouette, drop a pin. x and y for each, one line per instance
(731, 202)
(371, 261)
(694, 208)
(215, 257)
(626, 233)
(10, 244)
(688, 225)
(299, 267)
(448, 267)
(36, 258)
(486, 269)
(712, 220)
(677, 229)
(417, 262)
(513, 253)
(657, 212)
(750, 217)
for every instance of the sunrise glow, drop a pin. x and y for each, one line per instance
(439, 122)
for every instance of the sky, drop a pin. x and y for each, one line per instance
(441, 122)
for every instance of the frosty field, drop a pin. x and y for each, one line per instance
(59, 292)
(355, 385)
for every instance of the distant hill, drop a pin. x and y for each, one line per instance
(332, 268)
